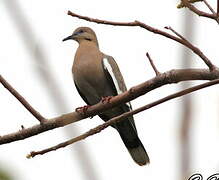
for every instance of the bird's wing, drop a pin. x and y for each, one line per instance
(80, 93)
(113, 74)
(115, 80)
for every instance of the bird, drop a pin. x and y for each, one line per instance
(97, 76)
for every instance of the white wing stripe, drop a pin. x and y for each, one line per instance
(108, 67)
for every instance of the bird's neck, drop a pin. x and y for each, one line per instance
(87, 49)
(88, 43)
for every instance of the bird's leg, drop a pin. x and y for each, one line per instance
(106, 99)
(82, 109)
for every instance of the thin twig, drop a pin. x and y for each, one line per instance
(195, 49)
(122, 117)
(209, 7)
(27, 105)
(179, 35)
(196, 11)
(172, 76)
(152, 64)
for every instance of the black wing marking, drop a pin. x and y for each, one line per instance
(116, 80)
(113, 74)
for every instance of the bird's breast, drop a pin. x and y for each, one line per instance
(88, 68)
(89, 76)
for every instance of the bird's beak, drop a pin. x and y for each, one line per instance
(67, 38)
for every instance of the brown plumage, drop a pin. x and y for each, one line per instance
(97, 75)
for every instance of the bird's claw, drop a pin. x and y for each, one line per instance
(106, 99)
(82, 109)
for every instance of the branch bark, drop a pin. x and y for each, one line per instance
(200, 13)
(196, 11)
(152, 64)
(179, 39)
(173, 76)
(181, 5)
(22, 100)
(209, 7)
(122, 117)
(169, 77)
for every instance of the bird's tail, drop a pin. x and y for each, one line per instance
(135, 148)
(139, 154)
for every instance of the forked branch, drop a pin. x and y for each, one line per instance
(173, 76)
(122, 117)
(214, 15)
(180, 40)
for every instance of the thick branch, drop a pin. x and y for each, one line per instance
(22, 100)
(122, 117)
(184, 42)
(173, 76)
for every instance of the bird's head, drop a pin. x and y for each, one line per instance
(83, 34)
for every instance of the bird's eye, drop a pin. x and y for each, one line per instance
(81, 31)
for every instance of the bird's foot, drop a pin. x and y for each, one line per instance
(106, 99)
(82, 109)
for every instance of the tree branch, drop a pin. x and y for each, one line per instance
(122, 117)
(194, 49)
(152, 64)
(209, 7)
(183, 41)
(181, 5)
(22, 100)
(176, 33)
(172, 76)
(198, 12)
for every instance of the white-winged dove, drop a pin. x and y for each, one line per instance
(97, 75)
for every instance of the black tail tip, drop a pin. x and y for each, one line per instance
(139, 155)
